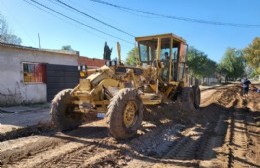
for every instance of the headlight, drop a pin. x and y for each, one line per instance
(82, 67)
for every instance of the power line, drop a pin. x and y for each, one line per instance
(63, 19)
(59, 17)
(102, 22)
(187, 19)
(81, 23)
(58, 4)
(40, 8)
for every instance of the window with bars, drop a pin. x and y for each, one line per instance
(34, 73)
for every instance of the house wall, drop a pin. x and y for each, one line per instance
(13, 90)
(92, 63)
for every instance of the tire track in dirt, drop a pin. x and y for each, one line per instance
(47, 148)
(80, 156)
(198, 146)
(158, 140)
(238, 137)
(195, 146)
(253, 154)
(16, 150)
(187, 147)
(239, 142)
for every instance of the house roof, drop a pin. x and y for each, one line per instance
(67, 52)
(91, 62)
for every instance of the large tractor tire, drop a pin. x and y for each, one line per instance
(196, 91)
(125, 114)
(186, 100)
(62, 113)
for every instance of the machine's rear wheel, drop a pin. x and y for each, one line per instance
(186, 100)
(62, 109)
(125, 114)
(196, 91)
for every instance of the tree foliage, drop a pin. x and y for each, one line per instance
(199, 65)
(252, 55)
(5, 35)
(132, 56)
(67, 47)
(232, 65)
(209, 67)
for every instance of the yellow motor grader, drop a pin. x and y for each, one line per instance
(119, 92)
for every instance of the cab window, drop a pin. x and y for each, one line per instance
(143, 53)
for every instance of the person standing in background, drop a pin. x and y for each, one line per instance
(245, 85)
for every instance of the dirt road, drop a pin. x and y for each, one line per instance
(224, 133)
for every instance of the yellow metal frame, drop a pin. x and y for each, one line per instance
(91, 90)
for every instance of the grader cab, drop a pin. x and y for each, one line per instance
(119, 92)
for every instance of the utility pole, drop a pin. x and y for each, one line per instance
(39, 40)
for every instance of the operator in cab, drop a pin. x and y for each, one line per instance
(165, 69)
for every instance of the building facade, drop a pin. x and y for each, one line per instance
(31, 75)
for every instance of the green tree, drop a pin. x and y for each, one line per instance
(209, 67)
(252, 55)
(232, 65)
(107, 52)
(5, 35)
(199, 65)
(195, 61)
(67, 47)
(132, 56)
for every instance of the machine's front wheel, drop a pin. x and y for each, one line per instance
(125, 114)
(62, 111)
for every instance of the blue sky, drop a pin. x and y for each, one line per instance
(26, 21)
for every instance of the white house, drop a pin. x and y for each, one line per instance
(31, 75)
